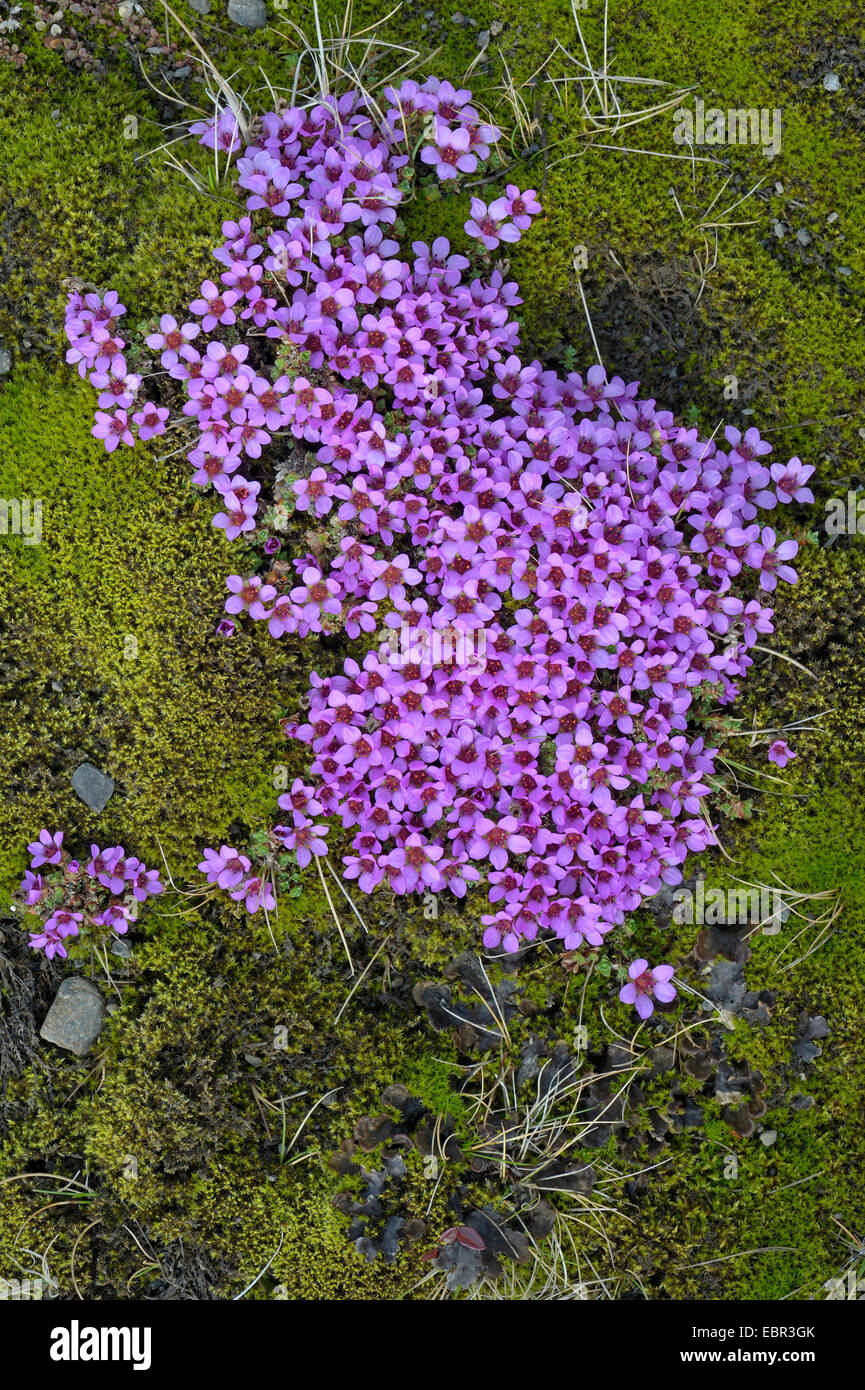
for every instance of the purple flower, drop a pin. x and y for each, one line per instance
(316, 597)
(520, 207)
(300, 797)
(225, 867)
(450, 153)
(113, 429)
(102, 863)
(115, 390)
(219, 132)
(286, 617)
(151, 420)
(118, 917)
(789, 479)
(644, 983)
(33, 887)
(255, 893)
(143, 881)
(172, 338)
(214, 307)
(416, 865)
(304, 838)
(58, 926)
(487, 224)
(249, 596)
(780, 754)
(392, 578)
(48, 849)
(768, 558)
(497, 840)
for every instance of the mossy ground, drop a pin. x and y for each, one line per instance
(189, 1080)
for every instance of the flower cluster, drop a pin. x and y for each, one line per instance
(230, 870)
(105, 892)
(609, 556)
(303, 839)
(97, 350)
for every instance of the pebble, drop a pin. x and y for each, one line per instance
(5, 361)
(200, 6)
(768, 1137)
(75, 1019)
(250, 14)
(94, 787)
(831, 81)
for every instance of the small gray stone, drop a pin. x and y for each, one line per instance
(803, 236)
(93, 786)
(5, 361)
(768, 1137)
(831, 81)
(200, 6)
(250, 14)
(75, 1019)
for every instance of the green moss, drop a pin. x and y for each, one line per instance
(430, 1079)
(109, 626)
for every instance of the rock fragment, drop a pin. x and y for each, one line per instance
(249, 14)
(94, 787)
(75, 1019)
